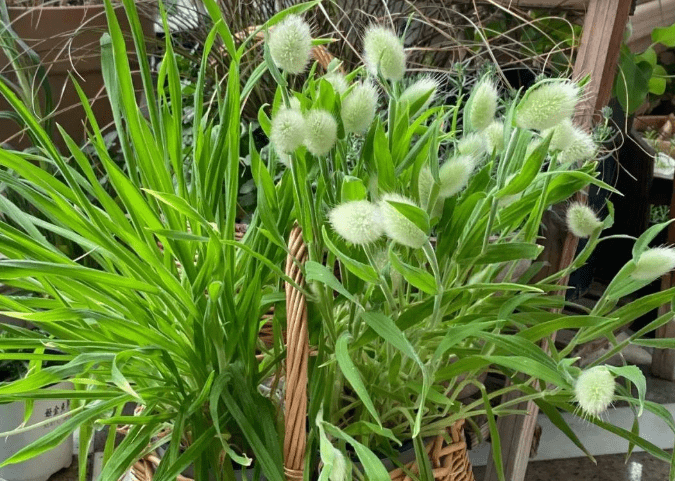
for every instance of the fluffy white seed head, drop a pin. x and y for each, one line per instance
(582, 220)
(654, 263)
(494, 136)
(455, 174)
(397, 226)
(472, 145)
(563, 135)
(288, 130)
(338, 81)
(582, 148)
(482, 105)
(594, 390)
(359, 107)
(356, 221)
(383, 53)
(425, 86)
(290, 44)
(321, 132)
(547, 105)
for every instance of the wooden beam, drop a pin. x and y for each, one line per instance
(663, 360)
(604, 24)
(598, 53)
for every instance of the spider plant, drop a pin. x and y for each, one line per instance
(166, 312)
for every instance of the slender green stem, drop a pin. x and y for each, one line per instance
(433, 261)
(386, 290)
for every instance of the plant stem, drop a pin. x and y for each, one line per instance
(383, 282)
(431, 257)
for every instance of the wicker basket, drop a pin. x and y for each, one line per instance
(449, 461)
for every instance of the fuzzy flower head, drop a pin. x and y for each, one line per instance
(288, 130)
(424, 87)
(654, 263)
(290, 44)
(581, 148)
(383, 53)
(321, 132)
(338, 81)
(455, 174)
(594, 390)
(494, 136)
(472, 145)
(397, 226)
(581, 220)
(358, 108)
(547, 105)
(573, 143)
(482, 105)
(563, 135)
(356, 222)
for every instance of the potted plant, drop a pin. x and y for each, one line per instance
(43, 44)
(37, 419)
(174, 327)
(421, 228)
(167, 310)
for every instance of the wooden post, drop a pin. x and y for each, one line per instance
(604, 24)
(663, 360)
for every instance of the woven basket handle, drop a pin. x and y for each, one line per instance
(297, 353)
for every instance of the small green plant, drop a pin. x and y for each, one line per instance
(640, 74)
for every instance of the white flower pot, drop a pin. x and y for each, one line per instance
(43, 466)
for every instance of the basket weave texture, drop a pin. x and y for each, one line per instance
(449, 460)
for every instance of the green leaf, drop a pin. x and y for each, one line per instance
(529, 170)
(373, 467)
(631, 84)
(317, 272)
(558, 421)
(664, 35)
(414, 214)
(387, 330)
(423, 462)
(419, 278)
(359, 269)
(642, 243)
(657, 83)
(498, 253)
(352, 189)
(648, 56)
(635, 376)
(352, 374)
(494, 436)
(383, 160)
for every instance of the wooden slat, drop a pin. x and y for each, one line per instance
(604, 24)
